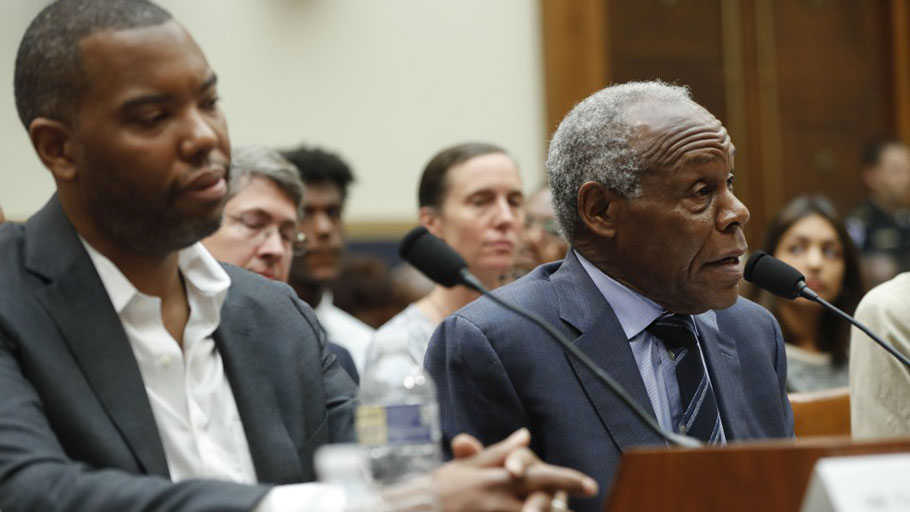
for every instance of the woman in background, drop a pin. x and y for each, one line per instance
(470, 196)
(809, 235)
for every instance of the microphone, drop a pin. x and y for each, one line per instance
(775, 276)
(433, 257)
(443, 265)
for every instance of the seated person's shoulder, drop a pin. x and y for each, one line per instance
(532, 291)
(887, 300)
(256, 293)
(12, 254)
(11, 240)
(745, 313)
(503, 329)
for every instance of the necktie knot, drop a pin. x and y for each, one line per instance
(676, 331)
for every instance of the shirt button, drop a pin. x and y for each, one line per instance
(682, 428)
(165, 361)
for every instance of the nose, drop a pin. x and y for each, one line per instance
(733, 213)
(272, 246)
(200, 137)
(320, 223)
(508, 215)
(814, 258)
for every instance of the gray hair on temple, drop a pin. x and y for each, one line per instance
(593, 143)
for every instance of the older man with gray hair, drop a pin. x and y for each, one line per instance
(642, 180)
(259, 230)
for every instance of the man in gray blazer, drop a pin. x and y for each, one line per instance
(136, 373)
(642, 186)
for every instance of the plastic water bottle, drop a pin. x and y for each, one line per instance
(398, 419)
(346, 467)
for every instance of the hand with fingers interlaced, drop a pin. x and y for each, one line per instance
(504, 477)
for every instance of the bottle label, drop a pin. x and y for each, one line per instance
(371, 425)
(394, 424)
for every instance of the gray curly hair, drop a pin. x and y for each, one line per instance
(594, 143)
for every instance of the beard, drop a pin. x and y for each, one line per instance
(144, 223)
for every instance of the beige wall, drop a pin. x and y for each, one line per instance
(386, 83)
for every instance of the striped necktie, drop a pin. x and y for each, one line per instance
(701, 418)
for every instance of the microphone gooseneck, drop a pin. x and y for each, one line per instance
(440, 263)
(775, 276)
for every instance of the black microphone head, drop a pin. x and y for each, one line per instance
(774, 275)
(432, 256)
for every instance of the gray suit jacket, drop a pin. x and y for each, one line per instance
(497, 372)
(76, 428)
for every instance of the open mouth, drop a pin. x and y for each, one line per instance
(729, 260)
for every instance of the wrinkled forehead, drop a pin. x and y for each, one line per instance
(668, 134)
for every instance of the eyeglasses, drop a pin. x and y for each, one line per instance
(258, 228)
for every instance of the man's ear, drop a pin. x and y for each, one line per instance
(597, 206)
(429, 218)
(52, 141)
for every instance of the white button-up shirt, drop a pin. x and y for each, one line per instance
(190, 396)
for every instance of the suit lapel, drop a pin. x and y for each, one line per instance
(602, 339)
(273, 451)
(76, 300)
(722, 360)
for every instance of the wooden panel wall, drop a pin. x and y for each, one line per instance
(800, 84)
(900, 44)
(833, 93)
(576, 53)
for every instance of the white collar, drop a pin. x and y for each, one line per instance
(199, 269)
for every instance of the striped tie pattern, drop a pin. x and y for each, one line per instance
(701, 418)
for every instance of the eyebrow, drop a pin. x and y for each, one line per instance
(265, 214)
(493, 191)
(209, 82)
(151, 99)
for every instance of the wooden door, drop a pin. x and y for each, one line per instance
(799, 84)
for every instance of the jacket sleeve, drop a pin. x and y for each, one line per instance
(476, 395)
(340, 389)
(36, 474)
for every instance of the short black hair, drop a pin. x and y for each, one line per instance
(873, 149)
(319, 166)
(49, 78)
(432, 188)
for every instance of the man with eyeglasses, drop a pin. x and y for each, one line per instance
(259, 227)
